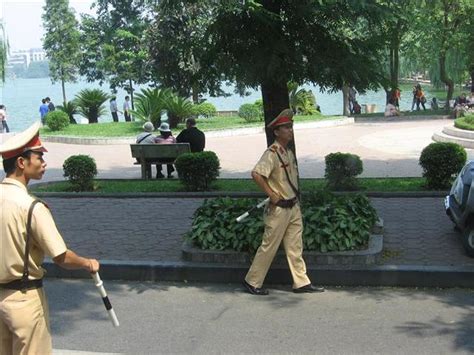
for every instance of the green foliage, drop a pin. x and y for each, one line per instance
(90, 104)
(113, 46)
(341, 170)
(197, 170)
(441, 162)
(466, 122)
(250, 112)
(80, 170)
(3, 53)
(331, 223)
(150, 103)
(178, 110)
(57, 120)
(205, 109)
(302, 101)
(70, 108)
(61, 41)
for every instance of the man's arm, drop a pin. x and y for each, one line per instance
(263, 184)
(71, 261)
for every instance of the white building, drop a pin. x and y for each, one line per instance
(26, 56)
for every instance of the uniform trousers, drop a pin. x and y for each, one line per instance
(281, 225)
(24, 322)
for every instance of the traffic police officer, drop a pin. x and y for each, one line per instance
(277, 175)
(28, 232)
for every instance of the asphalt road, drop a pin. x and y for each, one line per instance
(164, 318)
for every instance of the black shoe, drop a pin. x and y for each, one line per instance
(309, 289)
(160, 176)
(259, 291)
(170, 176)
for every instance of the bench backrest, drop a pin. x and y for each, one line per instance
(159, 150)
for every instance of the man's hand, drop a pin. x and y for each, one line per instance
(93, 266)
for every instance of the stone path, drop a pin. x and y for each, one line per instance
(417, 230)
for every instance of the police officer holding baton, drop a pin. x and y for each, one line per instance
(277, 175)
(28, 233)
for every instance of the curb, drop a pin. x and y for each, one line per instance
(215, 133)
(380, 275)
(399, 118)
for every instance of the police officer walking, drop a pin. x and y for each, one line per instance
(28, 233)
(277, 175)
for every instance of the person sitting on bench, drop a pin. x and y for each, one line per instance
(165, 137)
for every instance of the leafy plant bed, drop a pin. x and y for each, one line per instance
(234, 185)
(331, 224)
(466, 123)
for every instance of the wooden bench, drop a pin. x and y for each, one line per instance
(147, 154)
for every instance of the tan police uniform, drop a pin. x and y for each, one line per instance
(24, 316)
(281, 224)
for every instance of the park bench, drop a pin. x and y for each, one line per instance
(147, 154)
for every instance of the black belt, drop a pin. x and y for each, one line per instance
(287, 203)
(22, 285)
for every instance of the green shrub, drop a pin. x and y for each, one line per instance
(197, 170)
(250, 112)
(332, 223)
(70, 108)
(441, 162)
(90, 104)
(80, 170)
(466, 122)
(341, 170)
(205, 109)
(57, 120)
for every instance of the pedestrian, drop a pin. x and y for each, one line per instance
(413, 102)
(165, 137)
(126, 109)
(276, 174)
(43, 111)
(3, 118)
(395, 97)
(420, 98)
(51, 106)
(193, 136)
(28, 233)
(114, 109)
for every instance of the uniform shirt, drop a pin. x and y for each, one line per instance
(44, 238)
(113, 106)
(270, 167)
(194, 137)
(126, 105)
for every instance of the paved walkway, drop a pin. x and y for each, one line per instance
(417, 230)
(386, 148)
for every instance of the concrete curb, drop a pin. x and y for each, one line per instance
(342, 275)
(217, 133)
(399, 118)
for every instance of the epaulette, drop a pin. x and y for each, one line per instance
(273, 148)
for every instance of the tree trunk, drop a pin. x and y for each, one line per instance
(444, 78)
(173, 120)
(64, 92)
(472, 81)
(195, 94)
(275, 99)
(345, 101)
(131, 97)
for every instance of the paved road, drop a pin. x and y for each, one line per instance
(418, 232)
(175, 318)
(387, 149)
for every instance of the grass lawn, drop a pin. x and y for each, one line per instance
(131, 129)
(235, 185)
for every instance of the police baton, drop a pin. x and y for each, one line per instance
(246, 214)
(108, 306)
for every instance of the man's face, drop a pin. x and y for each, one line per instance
(285, 132)
(34, 167)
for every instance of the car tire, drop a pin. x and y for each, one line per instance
(468, 240)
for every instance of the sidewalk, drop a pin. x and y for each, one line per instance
(146, 233)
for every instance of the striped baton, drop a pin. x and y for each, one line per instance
(108, 306)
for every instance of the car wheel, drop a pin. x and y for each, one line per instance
(468, 240)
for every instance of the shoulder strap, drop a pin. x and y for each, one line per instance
(143, 138)
(295, 190)
(24, 278)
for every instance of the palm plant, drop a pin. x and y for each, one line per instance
(150, 103)
(178, 110)
(70, 108)
(90, 104)
(301, 101)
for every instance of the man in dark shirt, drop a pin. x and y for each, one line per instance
(193, 136)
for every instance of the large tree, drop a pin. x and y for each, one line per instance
(61, 42)
(265, 44)
(113, 47)
(3, 52)
(177, 42)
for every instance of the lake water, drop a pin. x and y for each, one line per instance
(22, 97)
